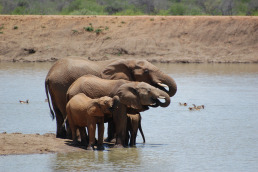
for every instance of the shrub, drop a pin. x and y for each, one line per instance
(98, 31)
(15, 27)
(89, 29)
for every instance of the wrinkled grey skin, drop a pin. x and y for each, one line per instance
(66, 70)
(132, 95)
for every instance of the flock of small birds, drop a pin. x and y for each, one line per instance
(27, 101)
(194, 106)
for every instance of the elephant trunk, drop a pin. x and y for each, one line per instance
(163, 95)
(116, 102)
(167, 81)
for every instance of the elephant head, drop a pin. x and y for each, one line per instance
(108, 104)
(141, 71)
(140, 95)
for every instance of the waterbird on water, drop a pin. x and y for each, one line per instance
(182, 104)
(27, 101)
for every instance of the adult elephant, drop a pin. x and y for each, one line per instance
(132, 95)
(65, 71)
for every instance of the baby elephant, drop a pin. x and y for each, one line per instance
(133, 124)
(83, 111)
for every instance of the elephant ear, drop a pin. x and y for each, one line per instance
(95, 110)
(117, 70)
(129, 96)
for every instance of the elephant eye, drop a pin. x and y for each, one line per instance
(105, 102)
(146, 71)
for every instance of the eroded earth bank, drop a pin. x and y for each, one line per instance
(155, 38)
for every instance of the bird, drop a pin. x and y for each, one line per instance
(182, 104)
(27, 101)
(198, 107)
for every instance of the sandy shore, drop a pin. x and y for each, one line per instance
(17, 143)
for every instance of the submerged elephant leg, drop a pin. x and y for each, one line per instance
(60, 131)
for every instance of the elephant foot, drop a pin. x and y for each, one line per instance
(84, 143)
(75, 143)
(100, 148)
(90, 148)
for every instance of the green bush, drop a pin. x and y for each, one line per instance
(178, 9)
(89, 29)
(98, 31)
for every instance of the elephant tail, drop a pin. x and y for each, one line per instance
(63, 125)
(47, 93)
(140, 128)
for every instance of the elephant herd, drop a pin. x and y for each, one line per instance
(85, 93)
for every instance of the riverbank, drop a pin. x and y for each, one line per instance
(186, 39)
(18, 143)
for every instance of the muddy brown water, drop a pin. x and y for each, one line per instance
(221, 137)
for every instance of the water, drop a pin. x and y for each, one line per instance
(221, 137)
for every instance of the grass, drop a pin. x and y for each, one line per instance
(89, 29)
(15, 27)
(106, 28)
(1, 32)
(123, 22)
(152, 19)
(74, 31)
(98, 31)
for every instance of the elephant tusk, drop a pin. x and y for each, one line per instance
(162, 97)
(162, 85)
(152, 104)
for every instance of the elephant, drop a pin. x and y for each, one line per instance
(133, 95)
(66, 70)
(83, 111)
(133, 124)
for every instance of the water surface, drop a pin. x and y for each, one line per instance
(221, 137)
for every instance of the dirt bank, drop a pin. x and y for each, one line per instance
(17, 143)
(155, 38)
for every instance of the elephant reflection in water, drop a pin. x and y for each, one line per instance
(66, 70)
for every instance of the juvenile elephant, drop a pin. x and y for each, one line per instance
(66, 70)
(132, 95)
(83, 111)
(133, 124)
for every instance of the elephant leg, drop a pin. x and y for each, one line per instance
(127, 138)
(120, 120)
(100, 135)
(111, 132)
(60, 130)
(91, 130)
(133, 138)
(68, 130)
(83, 135)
